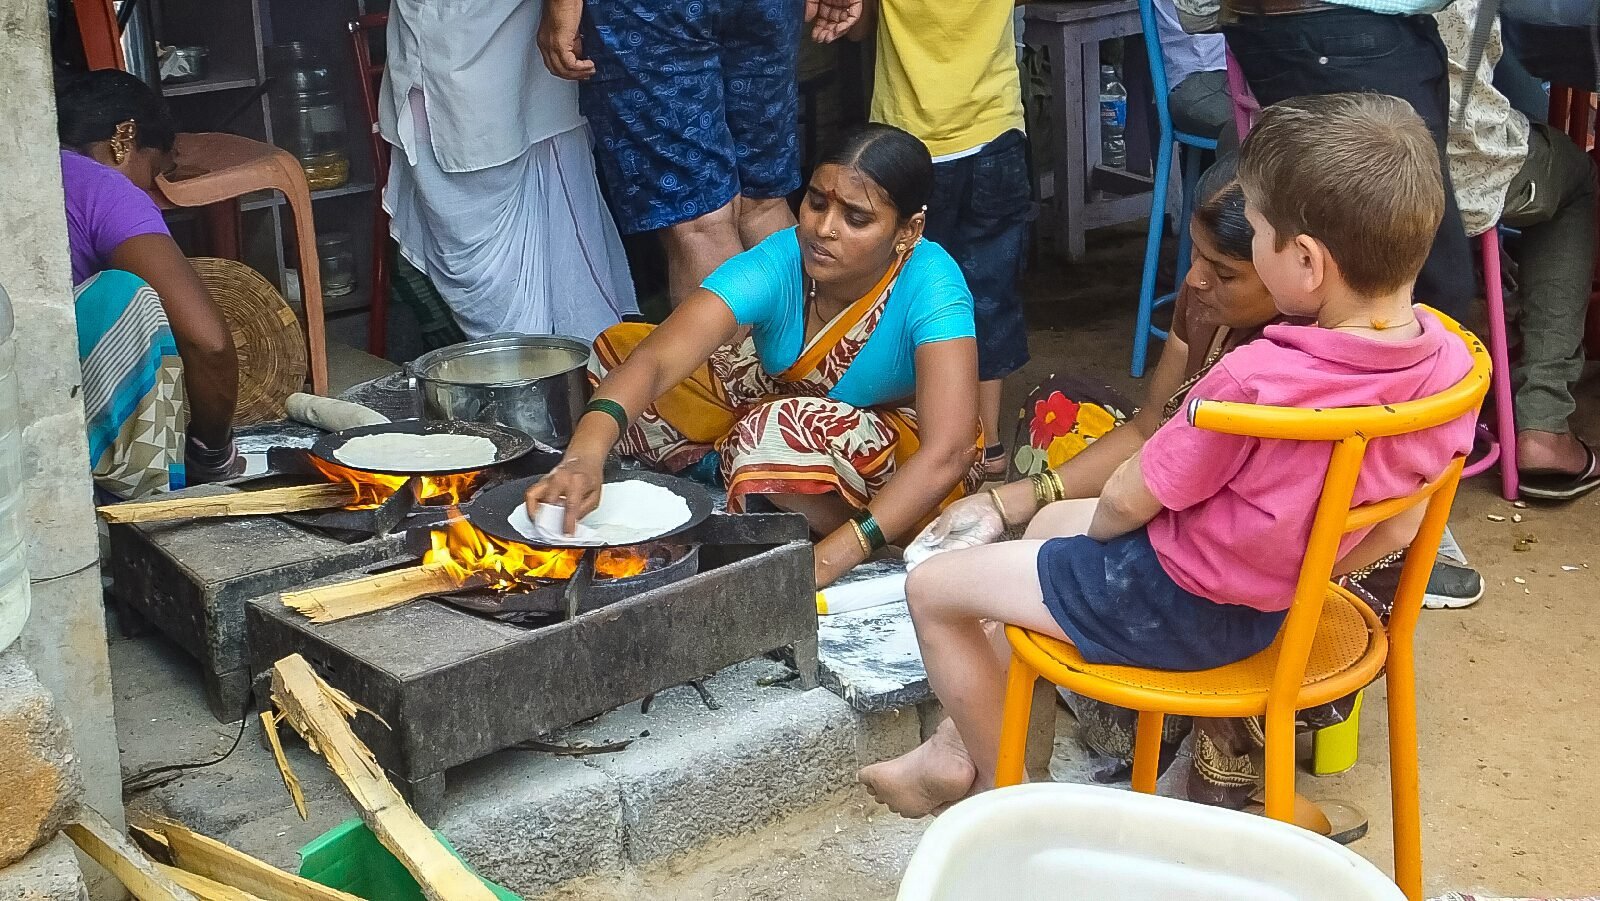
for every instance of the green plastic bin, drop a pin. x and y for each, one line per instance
(350, 858)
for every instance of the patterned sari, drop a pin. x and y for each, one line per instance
(777, 434)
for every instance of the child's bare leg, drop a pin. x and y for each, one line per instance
(951, 596)
(1063, 519)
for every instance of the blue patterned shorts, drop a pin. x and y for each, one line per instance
(692, 103)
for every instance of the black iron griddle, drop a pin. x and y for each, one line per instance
(509, 444)
(490, 510)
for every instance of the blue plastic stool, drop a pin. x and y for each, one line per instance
(1190, 146)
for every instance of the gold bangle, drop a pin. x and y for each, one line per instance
(994, 498)
(1059, 490)
(1041, 490)
(866, 546)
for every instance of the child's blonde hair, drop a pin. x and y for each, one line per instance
(1358, 172)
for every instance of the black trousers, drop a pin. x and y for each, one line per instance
(1348, 49)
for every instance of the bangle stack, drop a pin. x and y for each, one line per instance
(1047, 488)
(610, 408)
(868, 532)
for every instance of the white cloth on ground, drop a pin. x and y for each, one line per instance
(528, 246)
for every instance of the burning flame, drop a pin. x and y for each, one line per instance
(372, 488)
(467, 553)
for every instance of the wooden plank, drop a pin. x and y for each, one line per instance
(203, 888)
(112, 850)
(320, 714)
(291, 499)
(331, 603)
(207, 857)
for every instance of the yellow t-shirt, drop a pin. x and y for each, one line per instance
(947, 71)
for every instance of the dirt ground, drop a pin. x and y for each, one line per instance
(1505, 721)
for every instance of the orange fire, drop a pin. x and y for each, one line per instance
(372, 489)
(466, 552)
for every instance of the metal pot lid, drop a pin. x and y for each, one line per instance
(490, 511)
(509, 444)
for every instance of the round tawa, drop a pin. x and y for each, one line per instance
(509, 444)
(491, 510)
(266, 336)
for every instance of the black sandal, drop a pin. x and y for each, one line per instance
(994, 462)
(1546, 485)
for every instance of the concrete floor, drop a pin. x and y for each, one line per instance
(1506, 788)
(1506, 720)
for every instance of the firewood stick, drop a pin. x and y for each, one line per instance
(205, 856)
(291, 499)
(318, 713)
(331, 603)
(110, 849)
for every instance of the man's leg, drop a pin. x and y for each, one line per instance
(697, 247)
(760, 217)
(1200, 105)
(760, 58)
(655, 106)
(1350, 49)
(1552, 201)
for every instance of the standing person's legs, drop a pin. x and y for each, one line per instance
(1350, 49)
(1552, 200)
(979, 214)
(655, 105)
(761, 96)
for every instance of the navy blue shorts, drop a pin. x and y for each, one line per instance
(980, 213)
(1118, 605)
(692, 103)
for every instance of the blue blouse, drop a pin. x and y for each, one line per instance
(765, 289)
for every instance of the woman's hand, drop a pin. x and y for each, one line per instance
(573, 484)
(969, 522)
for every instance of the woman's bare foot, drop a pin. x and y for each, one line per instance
(926, 779)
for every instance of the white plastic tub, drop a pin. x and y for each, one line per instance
(1089, 843)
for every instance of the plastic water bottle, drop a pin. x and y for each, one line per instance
(13, 549)
(1113, 119)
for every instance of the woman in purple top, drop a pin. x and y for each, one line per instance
(160, 374)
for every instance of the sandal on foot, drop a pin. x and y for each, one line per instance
(1547, 485)
(994, 462)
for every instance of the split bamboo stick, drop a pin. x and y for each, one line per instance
(319, 713)
(331, 603)
(206, 857)
(291, 499)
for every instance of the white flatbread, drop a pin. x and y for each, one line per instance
(630, 512)
(392, 451)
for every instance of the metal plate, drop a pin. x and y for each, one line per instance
(509, 444)
(491, 510)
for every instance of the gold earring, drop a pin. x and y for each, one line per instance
(123, 143)
(900, 248)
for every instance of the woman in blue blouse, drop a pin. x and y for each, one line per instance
(831, 369)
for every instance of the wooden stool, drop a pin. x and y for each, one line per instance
(213, 172)
(1071, 32)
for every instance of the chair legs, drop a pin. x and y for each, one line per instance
(1152, 255)
(1011, 765)
(1404, 784)
(1147, 751)
(292, 182)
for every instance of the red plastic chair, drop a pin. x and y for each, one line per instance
(370, 77)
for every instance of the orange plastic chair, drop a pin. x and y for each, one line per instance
(1331, 643)
(213, 171)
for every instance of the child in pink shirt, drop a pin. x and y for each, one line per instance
(1188, 560)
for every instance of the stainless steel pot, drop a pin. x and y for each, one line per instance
(537, 384)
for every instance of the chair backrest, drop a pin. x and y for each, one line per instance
(363, 30)
(1350, 429)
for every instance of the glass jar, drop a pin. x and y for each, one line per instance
(308, 113)
(336, 257)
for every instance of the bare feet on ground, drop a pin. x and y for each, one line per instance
(926, 779)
